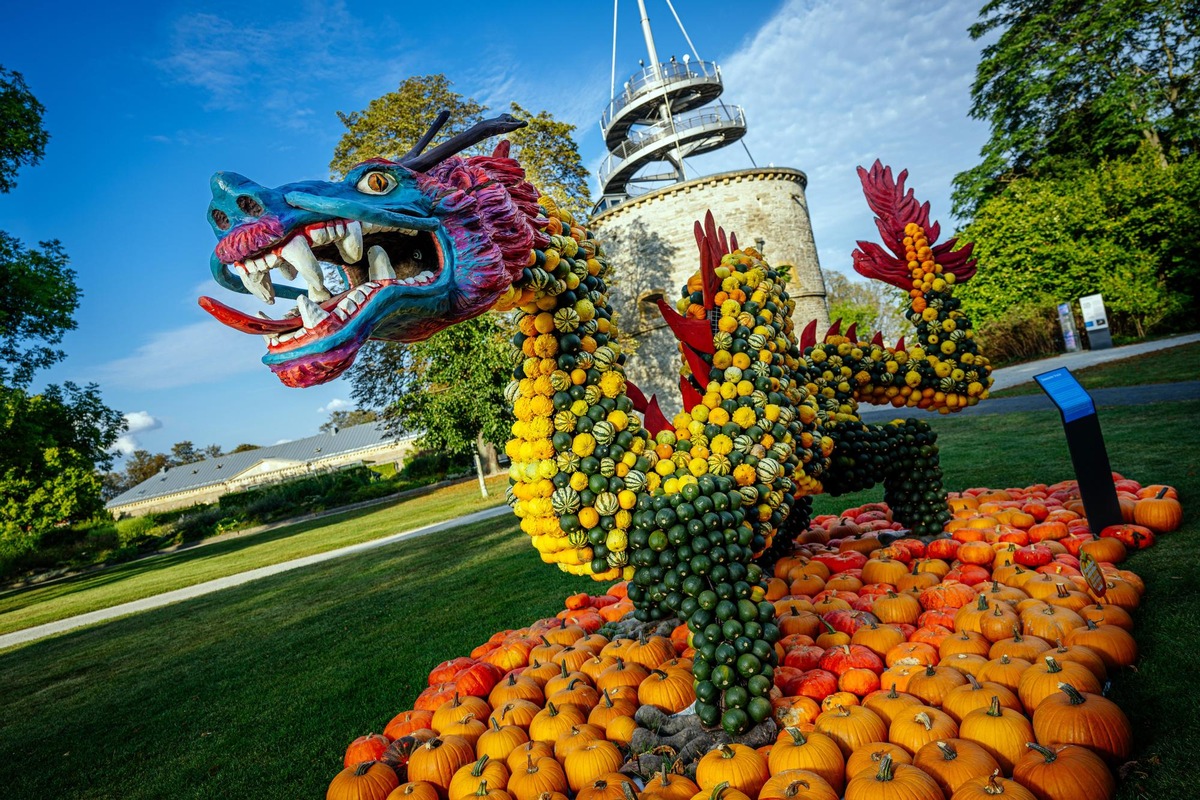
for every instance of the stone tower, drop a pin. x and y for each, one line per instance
(664, 113)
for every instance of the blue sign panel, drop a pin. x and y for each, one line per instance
(1064, 391)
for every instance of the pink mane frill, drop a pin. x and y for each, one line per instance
(491, 212)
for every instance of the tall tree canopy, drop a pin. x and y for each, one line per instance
(1067, 83)
(450, 386)
(22, 137)
(54, 440)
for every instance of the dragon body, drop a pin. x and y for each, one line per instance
(602, 482)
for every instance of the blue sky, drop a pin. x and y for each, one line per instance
(145, 100)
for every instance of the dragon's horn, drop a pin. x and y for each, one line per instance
(480, 131)
(852, 333)
(655, 420)
(427, 137)
(733, 245)
(899, 344)
(835, 329)
(691, 395)
(877, 339)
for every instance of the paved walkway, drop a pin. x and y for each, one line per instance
(166, 598)
(1023, 373)
(1008, 376)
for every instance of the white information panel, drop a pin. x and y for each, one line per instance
(1094, 315)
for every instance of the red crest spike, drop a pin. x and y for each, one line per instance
(698, 365)
(502, 149)
(636, 396)
(655, 420)
(808, 337)
(852, 333)
(900, 343)
(733, 245)
(877, 339)
(835, 329)
(693, 332)
(691, 396)
(723, 240)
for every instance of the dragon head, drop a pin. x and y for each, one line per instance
(423, 242)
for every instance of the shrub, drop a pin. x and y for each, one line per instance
(1022, 333)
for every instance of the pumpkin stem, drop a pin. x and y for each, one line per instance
(893, 694)
(1062, 590)
(975, 685)
(948, 751)
(512, 679)
(1052, 665)
(925, 720)
(1091, 625)
(574, 681)
(885, 768)
(482, 790)
(552, 708)
(563, 664)
(794, 788)
(982, 605)
(797, 735)
(1017, 637)
(1046, 752)
(362, 768)
(719, 789)
(994, 707)
(479, 765)
(495, 723)
(628, 790)
(930, 671)
(727, 752)
(1162, 493)
(1004, 659)
(1075, 696)
(434, 743)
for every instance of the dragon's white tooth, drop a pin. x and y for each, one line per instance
(339, 227)
(270, 259)
(351, 243)
(286, 269)
(319, 236)
(297, 253)
(341, 315)
(406, 231)
(348, 305)
(358, 295)
(259, 285)
(261, 315)
(380, 264)
(269, 340)
(311, 313)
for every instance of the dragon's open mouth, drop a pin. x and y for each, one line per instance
(371, 257)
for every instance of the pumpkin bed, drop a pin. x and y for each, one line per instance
(966, 665)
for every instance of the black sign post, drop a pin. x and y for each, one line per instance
(1086, 443)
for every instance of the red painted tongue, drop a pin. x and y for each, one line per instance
(246, 323)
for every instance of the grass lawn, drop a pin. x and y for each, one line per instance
(255, 691)
(1172, 365)
(24, 608)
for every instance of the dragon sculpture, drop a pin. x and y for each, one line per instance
(602, 482)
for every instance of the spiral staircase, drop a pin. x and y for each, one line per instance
(667, 112)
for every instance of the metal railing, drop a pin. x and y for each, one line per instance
(678, 128)
(647, 80)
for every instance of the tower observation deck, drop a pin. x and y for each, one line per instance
(664, 114)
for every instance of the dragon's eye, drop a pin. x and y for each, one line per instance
(376, 183)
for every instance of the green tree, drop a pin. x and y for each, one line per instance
(22, 137)
(1127, 229)
(245, 447)
(53, 443)
(340, 420)
(55, 440)
(450, 386)
(872, 305)
(546, 149)
(1067, 83)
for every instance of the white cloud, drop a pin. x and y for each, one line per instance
(336, 404)
(136, 422)
(203, 352)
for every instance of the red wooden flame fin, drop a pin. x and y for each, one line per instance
(877, 339)
(691, 395)
(699, 366)
(834, 330)
(636, 396)
(808, 337)
(852, 333)
(899, 344)
(655, 420)
(694, 332)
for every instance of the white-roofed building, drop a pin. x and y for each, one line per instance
(205, 481)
